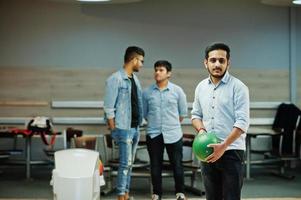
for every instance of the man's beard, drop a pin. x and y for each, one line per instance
(217, 76)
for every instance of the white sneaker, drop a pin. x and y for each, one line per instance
(156, 197)
(180, 196)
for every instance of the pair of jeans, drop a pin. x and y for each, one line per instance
(223, 179)
(155, 147)
(127, 141)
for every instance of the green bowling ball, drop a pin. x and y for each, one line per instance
(200, 142)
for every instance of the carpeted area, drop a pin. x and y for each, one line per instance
(263, 186)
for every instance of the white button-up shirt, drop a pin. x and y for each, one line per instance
(223, 107)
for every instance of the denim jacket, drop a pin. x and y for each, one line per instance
(117, 101)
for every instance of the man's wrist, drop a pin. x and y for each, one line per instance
(201, 130)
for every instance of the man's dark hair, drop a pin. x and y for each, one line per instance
(131, 52)
(163, 63)
(217, 46)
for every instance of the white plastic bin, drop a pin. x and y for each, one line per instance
(76, 175)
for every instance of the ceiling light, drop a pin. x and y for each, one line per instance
(277, 2)
(297, 2)
(93, 0)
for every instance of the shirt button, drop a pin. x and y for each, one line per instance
(212, 117)
(213, 107)
(213, 97)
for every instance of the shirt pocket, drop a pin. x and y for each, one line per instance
(225, 99)
(123, 97)
(172, 105)
(153, 103)
(123, 91)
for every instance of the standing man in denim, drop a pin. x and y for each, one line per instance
(165, 106)
(221, 105)
(124, 113)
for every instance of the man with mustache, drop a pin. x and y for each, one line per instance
(124, 113)
(221, 105)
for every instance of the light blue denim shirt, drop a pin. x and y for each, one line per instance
(117, 101)
(162, 109)
(223, 107)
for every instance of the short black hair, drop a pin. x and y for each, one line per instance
(217, 46)
(131, 52)
(163, 63)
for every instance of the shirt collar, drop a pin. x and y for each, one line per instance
(124, 74)
(224, 80)
(167, 88)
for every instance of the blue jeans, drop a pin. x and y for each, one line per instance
(223, 179)
(127, 141)
(155, 147)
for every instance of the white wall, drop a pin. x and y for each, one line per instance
(50, 34)
(298, 37)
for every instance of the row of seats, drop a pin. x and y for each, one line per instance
(141, 168)
(285, 145)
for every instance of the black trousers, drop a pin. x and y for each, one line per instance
(155, 149)
(223, 179)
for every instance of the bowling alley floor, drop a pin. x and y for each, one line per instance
(263, 185)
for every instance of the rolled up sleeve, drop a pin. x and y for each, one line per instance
(145, 104)
(242, 108)
(196, 112)
(111, 93)
(182, 103)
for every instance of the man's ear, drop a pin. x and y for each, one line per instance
(135, 61)
(168, 74)
(205, 63)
